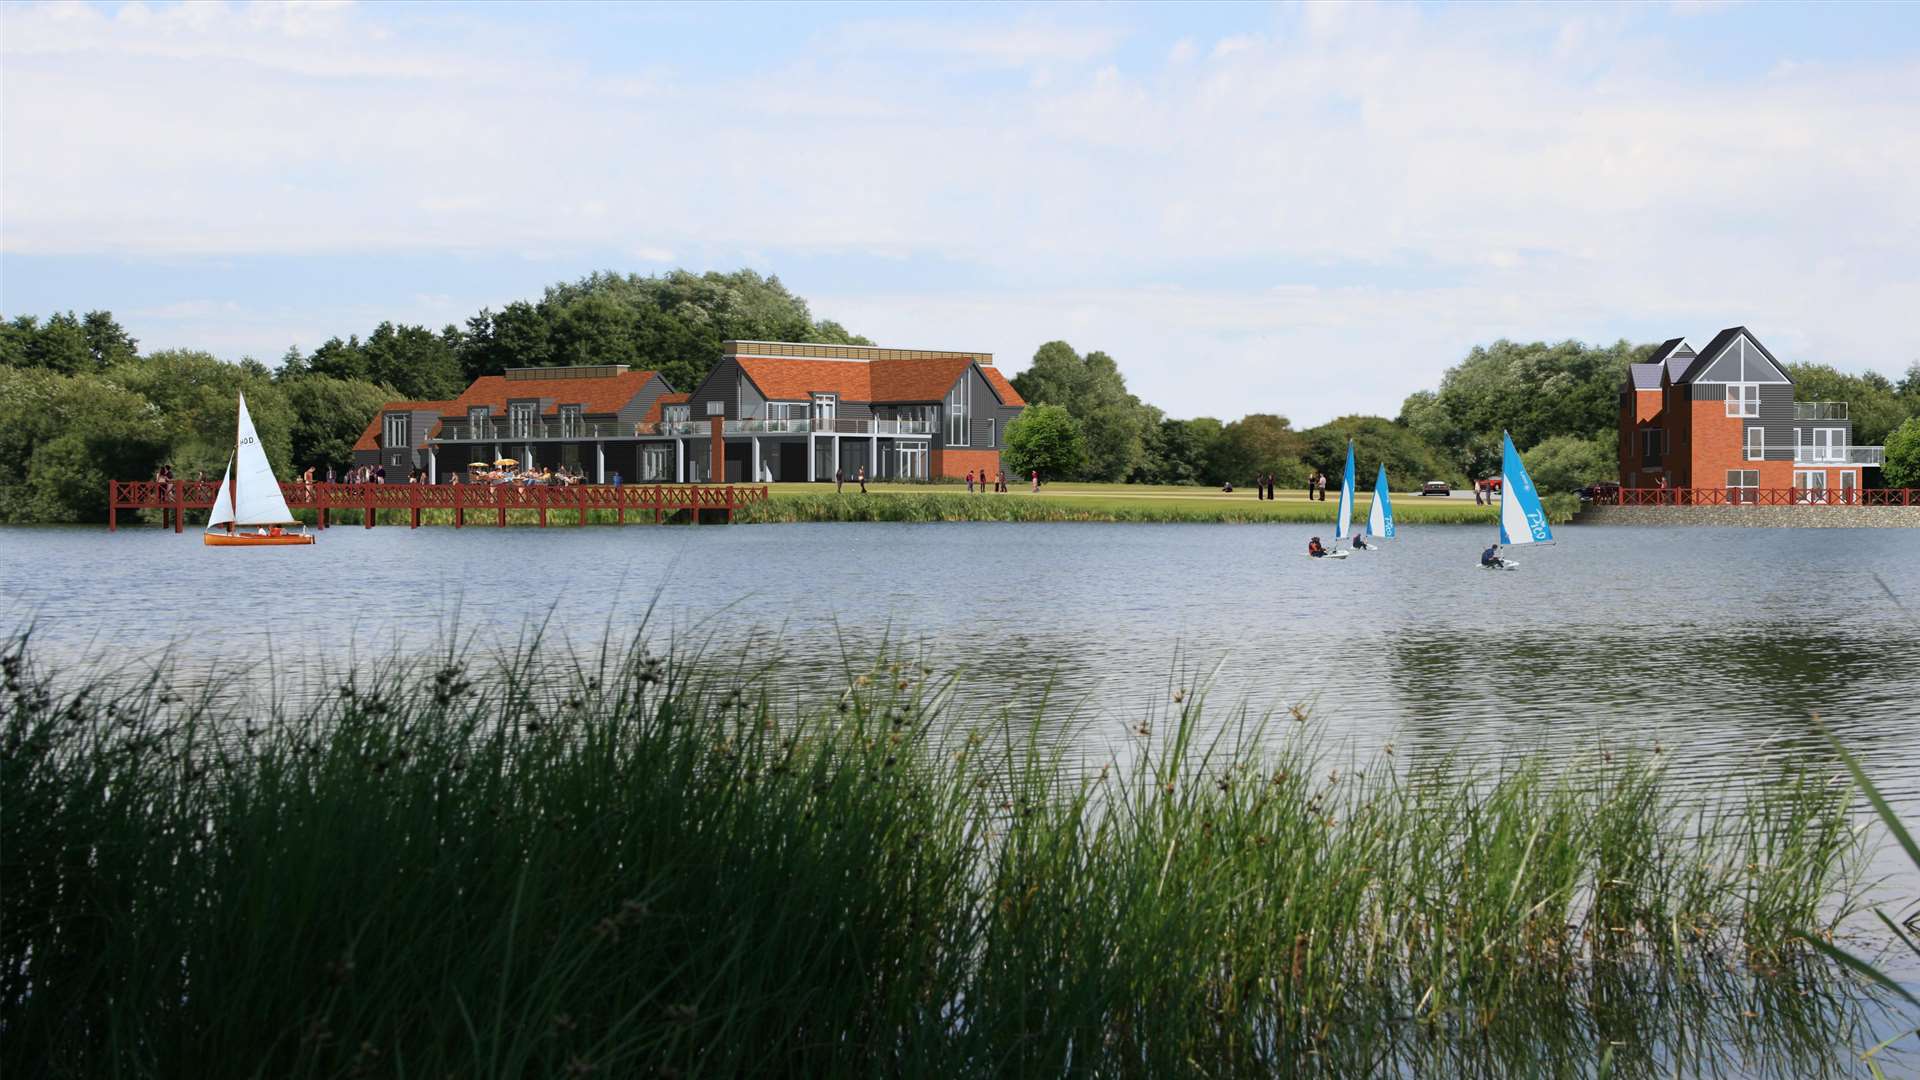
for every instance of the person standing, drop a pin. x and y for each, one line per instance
(839, 480)
(861, 476)
(1036, 481)
(1312, 478)
(1320, 486)
(969, 481)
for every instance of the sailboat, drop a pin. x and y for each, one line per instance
(1522, 519)
(1343, 515)
(250, 495)
(1380, 515)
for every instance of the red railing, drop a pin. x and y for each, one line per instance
(171, 498)
(1732, 496)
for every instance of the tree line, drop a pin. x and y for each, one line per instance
(81, 404)
(1560, 402)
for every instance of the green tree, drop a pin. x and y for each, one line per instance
(62, 438)
(328, 417)
(194, 394)
(1046, 438)
(1119, 427)
(107, 342)
(1181, 449)
(1534, 391)
(1902, 468)
(1257, 445)
(1410, 460)
(416, 362)
(1565, 463)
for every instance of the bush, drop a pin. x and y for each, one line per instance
(1902, 469)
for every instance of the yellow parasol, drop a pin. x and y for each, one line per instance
(478, 464)
(507, 461)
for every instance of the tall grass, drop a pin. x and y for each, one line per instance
(631, 864)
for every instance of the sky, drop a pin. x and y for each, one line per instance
(1308, 209)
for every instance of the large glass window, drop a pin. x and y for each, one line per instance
(572, 420)
(958, 399)
(1756, 443)
(479, 418)
(1653, 444)
(520, 418)
(1743, 399)
(396, 431)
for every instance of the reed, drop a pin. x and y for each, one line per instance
(929, 507)
(636, 864)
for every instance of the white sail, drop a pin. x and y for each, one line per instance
(1343, 517)
(249, 492)
(222, 512)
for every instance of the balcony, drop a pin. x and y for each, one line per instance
(1819, 410)
(536, 431)
(1839, 455)
(698, 428)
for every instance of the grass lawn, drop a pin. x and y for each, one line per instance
(1172, 500)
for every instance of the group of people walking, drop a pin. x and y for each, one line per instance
(999, 481)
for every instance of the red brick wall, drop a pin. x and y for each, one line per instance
(1678, 416)
(1719, 444)
(1643, 411)
(955, 463)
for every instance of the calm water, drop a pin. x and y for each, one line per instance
(1717, 644)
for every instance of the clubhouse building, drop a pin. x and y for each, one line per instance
(781, 411)
(1725, 416)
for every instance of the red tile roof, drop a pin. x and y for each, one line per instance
(655, 410)
(878, 380)
(1008, 395)
(602, 394)
(370, 438)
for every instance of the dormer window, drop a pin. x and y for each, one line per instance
(676, 414)
(395, 434)
(572, 420)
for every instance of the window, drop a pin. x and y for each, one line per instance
(572, 420)
(396, 431)
(1653, 444)
(957, 402)
(824, 406)
(1810, 486)
(786, 410)
(675, 414)
(1756, 443)
(1743, 399)
(520, 418)
(478, 418)
(1743, 485)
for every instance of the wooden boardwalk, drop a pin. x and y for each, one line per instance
(173, 498)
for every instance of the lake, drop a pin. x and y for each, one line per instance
(1717, 645)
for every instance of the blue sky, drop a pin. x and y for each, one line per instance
(1305, 209)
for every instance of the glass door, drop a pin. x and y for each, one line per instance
(1846, 488)
(1810, 486)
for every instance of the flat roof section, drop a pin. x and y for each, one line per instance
(866, 353)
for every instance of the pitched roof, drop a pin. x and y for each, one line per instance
(370, 438)
(854, 380)
(656, 410)
(1645, 376)
(600, 394)
(1699, 365)
(1008, 395)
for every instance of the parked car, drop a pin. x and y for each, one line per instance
(1603, 491)
(1491, 485)
(1436, 487)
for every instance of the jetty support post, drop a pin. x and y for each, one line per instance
(580, 501)
(113, 510)
(179, 502)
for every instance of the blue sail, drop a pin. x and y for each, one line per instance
(1343, 523)
(1522, 519)
(1380, 517)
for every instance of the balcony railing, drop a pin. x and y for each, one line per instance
(536, 431)
(1819, 410)
(1839, 455)
(545, 430)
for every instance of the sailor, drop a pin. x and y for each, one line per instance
(1315, 549)
(1491, 557)
(1358, 543)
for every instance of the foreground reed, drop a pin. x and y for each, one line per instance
(640, 865)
